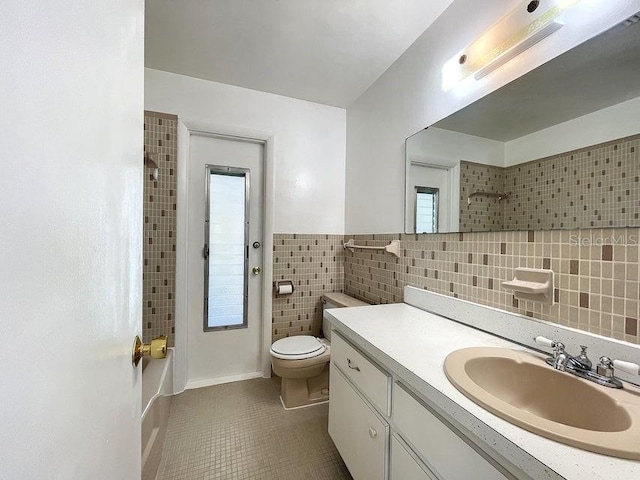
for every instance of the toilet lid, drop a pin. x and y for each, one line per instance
(297, 347)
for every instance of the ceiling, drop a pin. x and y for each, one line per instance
(601, 72)
(325, 51)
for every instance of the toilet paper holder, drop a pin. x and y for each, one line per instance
(283, 287)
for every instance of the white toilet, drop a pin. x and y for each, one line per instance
(303, 360)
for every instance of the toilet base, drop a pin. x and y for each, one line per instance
(303, 392)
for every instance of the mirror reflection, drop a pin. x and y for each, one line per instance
(558, 148)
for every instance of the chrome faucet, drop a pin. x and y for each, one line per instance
(581, 365)
(563, 361)
(560, 357)
(582, 359)
(605, 367)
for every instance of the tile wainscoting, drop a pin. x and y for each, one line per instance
(597, 273)
(315, 265)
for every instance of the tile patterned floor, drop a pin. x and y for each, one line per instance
(239, 431)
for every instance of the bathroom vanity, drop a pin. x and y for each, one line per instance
(394, 415)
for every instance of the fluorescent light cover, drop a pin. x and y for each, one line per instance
(516, 50)
(510, 36)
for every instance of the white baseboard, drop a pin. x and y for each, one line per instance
(208, 382)
(303, 406)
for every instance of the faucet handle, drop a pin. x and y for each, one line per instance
(558, 348)
(544, 341)
(605, 367)
(582, 358)
(629, 367)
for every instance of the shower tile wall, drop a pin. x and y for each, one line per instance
(597, 273)
(315, 265)
(481, 213)
(159, 250)
(592, 187)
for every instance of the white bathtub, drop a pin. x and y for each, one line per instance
(157, 391)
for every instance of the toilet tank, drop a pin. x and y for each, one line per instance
(336, 300)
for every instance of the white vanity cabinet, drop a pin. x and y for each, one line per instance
(371, 381)
(404, 464)
(383, 433)
(443, 450)
(360, 434)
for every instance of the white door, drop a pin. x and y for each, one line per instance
(428, 179)
(225, 283)
(71, 90)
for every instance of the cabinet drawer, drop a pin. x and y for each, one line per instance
(360, 435)
(443, 451)
(403, 465)
(371, 381)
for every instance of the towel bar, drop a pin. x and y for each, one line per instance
(393, 247)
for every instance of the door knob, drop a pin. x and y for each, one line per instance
(256, 270)
(373, 433)
(156, 349)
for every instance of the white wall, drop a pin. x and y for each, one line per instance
(309, 139)
(436, 146)
(71, 90)
(447, 148)
(608, 124)
(443, 147)
(409, 97)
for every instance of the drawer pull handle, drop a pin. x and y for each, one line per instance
(357, 369)
(373, 433)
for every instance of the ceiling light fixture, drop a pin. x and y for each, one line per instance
(527, 24)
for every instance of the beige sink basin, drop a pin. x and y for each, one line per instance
(522, 389)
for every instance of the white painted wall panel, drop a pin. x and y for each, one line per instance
(447, 148)
(310, 143)
(611, 123)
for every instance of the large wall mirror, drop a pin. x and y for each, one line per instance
(558, 148)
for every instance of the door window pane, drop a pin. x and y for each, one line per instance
(225, 305)
(426, 210)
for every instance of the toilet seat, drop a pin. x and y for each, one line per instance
(297, 347)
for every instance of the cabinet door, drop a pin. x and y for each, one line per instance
(404, 466)
(360, 435)
(442, 450)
